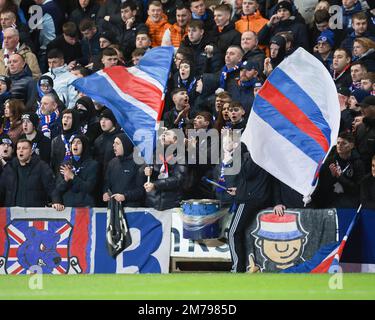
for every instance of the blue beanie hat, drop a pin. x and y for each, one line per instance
(360, 94)
(327, 36)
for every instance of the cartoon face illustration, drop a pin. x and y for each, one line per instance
(41, 243)
(281, 240)
(39, 249)
(282, 252)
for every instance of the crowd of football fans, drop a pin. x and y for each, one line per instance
(59, 147)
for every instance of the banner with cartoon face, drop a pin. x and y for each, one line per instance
(277, 243)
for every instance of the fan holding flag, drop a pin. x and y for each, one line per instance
(135, 95)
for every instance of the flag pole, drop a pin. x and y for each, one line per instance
(335, 263)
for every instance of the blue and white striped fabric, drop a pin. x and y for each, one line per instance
(294, 121)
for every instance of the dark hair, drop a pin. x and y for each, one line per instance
(86, 24)
(207, 116)
(181, 6)
(16, 108)
(321, 15)
(348, 136)
(196, 24)
(359, 63)
(288, 36)
(235, 104)
(138, 52)
(219, 123)
(143, 31)
(177, 90)
(130, 4)
(186, 52)
(109, 52)
(70, 29)
(82, 70)
(347, 52)
(55, 53)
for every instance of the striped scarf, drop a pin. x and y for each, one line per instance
(224, 74)
(46, 121)
(67, 144)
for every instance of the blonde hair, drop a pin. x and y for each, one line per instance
(366, 43)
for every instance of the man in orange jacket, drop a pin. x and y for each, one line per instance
(176, 33)
(251, 19)
(156, 22)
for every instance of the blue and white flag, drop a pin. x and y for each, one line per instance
(135, 95)
(294, 121)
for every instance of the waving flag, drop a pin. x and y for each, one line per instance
(294, 121)
(135, 95)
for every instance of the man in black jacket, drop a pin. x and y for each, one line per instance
(27, 181)
(164, 189)
(103, 145)
(284, 20)
(123, 177)
(68, 43)
(198, 40)
(87, 9)
(224, 34)
(251, 193)
(341, 174)
(127, 28)
(21, 77)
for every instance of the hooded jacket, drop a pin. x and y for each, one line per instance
(88, 119)
(79, 192)
(103, 148)
(124, 176)
(58, 149)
